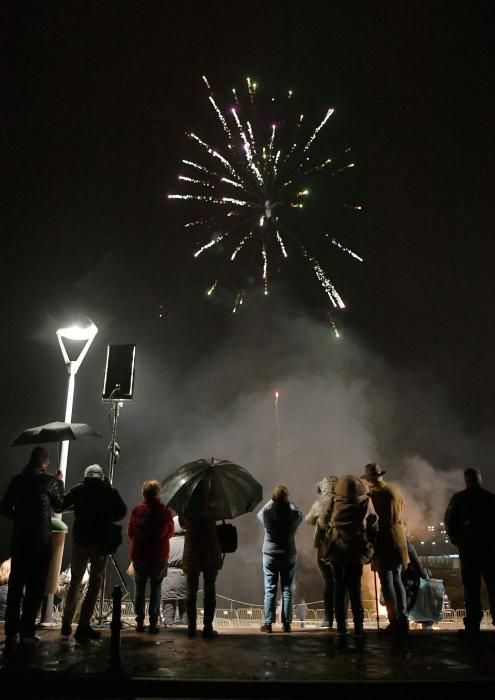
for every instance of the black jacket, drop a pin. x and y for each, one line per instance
(96, 505)
(29, 501)
(469, 520)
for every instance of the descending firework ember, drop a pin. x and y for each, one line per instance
(254, 189)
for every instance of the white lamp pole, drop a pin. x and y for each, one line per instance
(73, 333)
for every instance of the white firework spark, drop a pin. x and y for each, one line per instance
(254, 185)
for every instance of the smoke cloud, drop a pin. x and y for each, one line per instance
(340, 406)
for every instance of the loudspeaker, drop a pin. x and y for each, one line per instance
(119, 373)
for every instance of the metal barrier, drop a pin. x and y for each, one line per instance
(249, 617)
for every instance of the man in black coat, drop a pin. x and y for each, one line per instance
(469, 524)
(97, 506)
(29, 501)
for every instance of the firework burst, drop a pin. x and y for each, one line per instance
(252, 187)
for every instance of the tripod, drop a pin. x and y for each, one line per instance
(113, 456)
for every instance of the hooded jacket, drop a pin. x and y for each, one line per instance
(96, 505)
(29, 501)
(354, 523)
(320, 512)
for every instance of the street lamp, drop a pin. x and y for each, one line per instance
(73, 333)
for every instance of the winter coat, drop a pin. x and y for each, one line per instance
(280, 521)
(96, 505)
(150, 527)
(29, 501)
(353, 525)
(391, 541)
(319, 515)
(174, 585)
(202, 550)
(469, 520)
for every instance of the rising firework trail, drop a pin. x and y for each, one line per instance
(278, 442)
(254, 189)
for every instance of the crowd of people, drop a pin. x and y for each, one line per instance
(356, 521)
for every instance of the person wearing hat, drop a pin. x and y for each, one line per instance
(97, 506)
(391, 554)
(319, 518)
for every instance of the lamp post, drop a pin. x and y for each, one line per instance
(86, 334)
(59, 529)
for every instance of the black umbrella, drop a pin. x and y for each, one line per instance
(213, 488)
(55, 432)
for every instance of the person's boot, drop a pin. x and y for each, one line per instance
(403, 625)
(153, 628)
(209, 615)
(85, 634)
(359, 630)
(139, 626)
(66, 630)
(326, 624)
(191, 617)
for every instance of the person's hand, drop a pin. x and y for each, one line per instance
(59, 476)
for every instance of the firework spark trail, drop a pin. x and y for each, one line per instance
(278, 444)
(318, 128)
(211, 243)
(268, 177)
(281, 243)
(265, 268)
(241, 244)
(212, 288)
(347, 250)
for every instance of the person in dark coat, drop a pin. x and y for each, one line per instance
(29, 501)
(150, 527)
(391, 555)
(353, 531)
(319, 518)
(97, 506)
(174, 585)
(280, 518)
(202, 554)
(469, 524)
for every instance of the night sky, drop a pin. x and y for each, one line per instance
(96, 98)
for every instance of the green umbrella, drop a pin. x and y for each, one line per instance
(214, 488)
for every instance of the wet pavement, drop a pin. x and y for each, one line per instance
(247, 663)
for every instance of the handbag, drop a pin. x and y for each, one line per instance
(113, 539)
(227, 536)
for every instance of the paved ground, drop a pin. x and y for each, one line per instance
(246, 663)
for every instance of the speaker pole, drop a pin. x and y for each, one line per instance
(113, 455)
